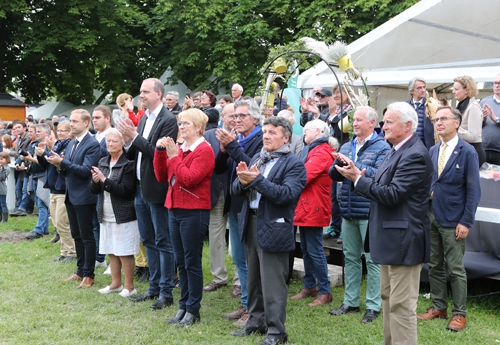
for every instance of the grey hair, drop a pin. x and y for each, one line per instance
(226, 106)
(371, 114)
(287, 114)
(44, 126)
(411, 84)
(324, 131)
(238, 86)
(253, 108)
(278, 121)
(406, 113)
(114, 131)
(174, 93)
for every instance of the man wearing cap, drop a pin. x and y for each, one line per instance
(311, 111)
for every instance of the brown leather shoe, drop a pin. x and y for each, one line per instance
(305, 293)
(242, 322)
(321, 299)
(213, 286)
(457, 323)
(74, 276)
(235, 315)
(86, 282)
(236, 291)
(432, 313)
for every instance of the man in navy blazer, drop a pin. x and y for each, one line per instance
(82, 153)
(272, 186)
(455, 194)
(152, 216)
(399, 228)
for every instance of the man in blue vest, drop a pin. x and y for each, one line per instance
(425, 129)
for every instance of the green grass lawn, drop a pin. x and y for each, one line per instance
(38, 308)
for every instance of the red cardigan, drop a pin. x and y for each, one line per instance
(192, 171)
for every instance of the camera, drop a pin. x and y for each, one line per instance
(23, 153)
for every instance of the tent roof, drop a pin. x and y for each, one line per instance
(11, 101)
(434, 38)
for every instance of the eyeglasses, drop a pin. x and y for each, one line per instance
(241, 116)
(496, 83)
(196, 99)
(442, 119)
(320, 95)
(203, 96)
(62, 130)
(183, 123)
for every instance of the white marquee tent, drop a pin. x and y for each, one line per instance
(435, 39)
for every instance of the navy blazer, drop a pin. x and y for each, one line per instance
(77, 170)
(217, 182)
(399, 226)
(457, 190)
(165, 125)
(280, 192)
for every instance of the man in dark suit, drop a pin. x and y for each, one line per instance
(399, 228)
(84, 152)
(425, 128)
(172, 102)
(152, 216)
(455, 194)
(272, 186)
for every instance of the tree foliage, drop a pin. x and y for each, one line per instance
(71, 48)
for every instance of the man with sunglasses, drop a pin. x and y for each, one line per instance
(311, 111)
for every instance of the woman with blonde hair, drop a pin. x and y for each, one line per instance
(187, 169)
(470, 130)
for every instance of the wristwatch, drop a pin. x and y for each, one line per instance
(497, 121)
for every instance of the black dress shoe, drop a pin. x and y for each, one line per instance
(370, 315)
(59, 258)
(33, 235)
(344, 309)
(144, 297)
(177, 318)
(270, 340)
(249, 331)
(162, 302)
(188, 319)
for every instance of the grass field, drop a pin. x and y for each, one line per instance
(38, 308)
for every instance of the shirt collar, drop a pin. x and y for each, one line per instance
(452, 143)
(102, 135)
(155, 112)
(80, 138)
(193, 146)
(398, 146)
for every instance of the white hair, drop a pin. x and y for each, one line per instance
(406, 113)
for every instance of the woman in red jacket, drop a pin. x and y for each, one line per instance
(188, 169)
(313, 211)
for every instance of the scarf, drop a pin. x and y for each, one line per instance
(462, 105)
(243, 142)
(264, 158)
(60, 145)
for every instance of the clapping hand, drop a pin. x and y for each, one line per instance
(97, 175)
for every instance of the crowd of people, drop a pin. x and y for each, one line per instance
(146, 185)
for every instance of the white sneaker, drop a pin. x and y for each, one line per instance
(100, 264)
(107, 290)
(108, 270)
(125, 293)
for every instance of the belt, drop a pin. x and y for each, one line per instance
(254, 211)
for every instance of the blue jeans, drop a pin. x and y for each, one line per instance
(42, 224)
(3, 203)
(311, 243)
(19, 189)
(188, 229)
(97, 231)
(26, 203)
(153, 228)
(239, 259)
(354, 233)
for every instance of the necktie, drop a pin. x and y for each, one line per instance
(73, 150)
(442, 156)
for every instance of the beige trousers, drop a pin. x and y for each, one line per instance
(60, 220)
